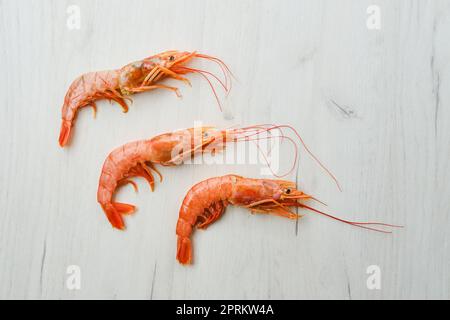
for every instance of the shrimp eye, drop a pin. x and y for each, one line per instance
(288, 191)
(171, 58)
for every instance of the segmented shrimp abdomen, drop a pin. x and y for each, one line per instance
(117, 165)
(200, 198)
(85, 89)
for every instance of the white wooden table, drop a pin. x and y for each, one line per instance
(371, 103)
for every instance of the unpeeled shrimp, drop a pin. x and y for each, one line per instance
(140, 76)
(206, 202)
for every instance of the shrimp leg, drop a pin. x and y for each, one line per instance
(124, 182)
(280, 212)
(113, 95)
(93, 105)
(156, 73)
(213, 214)
(175, 76)
(154, 87)
(278, 209)
(142, 171)
(152, 167)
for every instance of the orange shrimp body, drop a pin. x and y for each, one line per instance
(206, 202)
(138, 159)
(136, 77)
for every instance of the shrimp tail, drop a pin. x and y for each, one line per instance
(114, 212)
(184, 251)
(124, 208)
(64, 135)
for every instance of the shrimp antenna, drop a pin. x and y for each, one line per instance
(257, 139)
(364, 225)
(252, 134)
(202, 73)
(224, 86)
(270, 127)
(225, 69)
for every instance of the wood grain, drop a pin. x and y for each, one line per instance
(372, 104)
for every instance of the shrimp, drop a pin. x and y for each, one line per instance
(136, 77)
(139, 159)
(206, 202)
